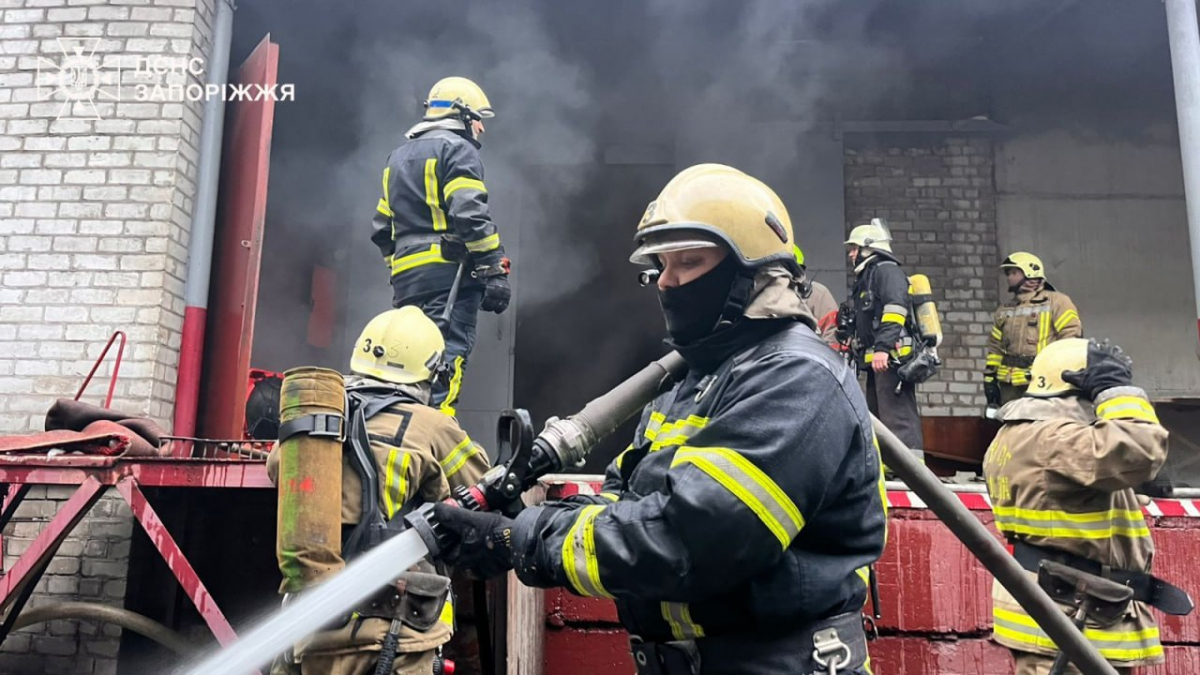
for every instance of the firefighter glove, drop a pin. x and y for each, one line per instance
(1107, 367)
(991, 391)
(496, 291)
(478, 542)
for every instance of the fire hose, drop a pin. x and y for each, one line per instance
(107, 613)
(565, 443)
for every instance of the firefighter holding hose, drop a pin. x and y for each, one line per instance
(355, 455)
(736, 530)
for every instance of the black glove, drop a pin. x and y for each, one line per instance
(1107, 367)
(496, 291)
(991, 391)
(478, 542)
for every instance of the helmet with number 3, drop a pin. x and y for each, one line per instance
(402, 346)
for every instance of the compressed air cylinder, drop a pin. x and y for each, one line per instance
(927, 316)
(309, 535)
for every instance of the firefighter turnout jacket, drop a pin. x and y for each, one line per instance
(1021, 329)
(433, 187)
(881, 307)
(1060, 475)
(420, 456)
(750, 504)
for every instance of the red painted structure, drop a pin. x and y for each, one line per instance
(94, 475)
(935, 597)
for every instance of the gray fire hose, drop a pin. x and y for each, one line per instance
(92, 611)
(984, 546)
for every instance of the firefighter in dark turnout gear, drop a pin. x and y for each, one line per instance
(432, 224)
(417, 455)
(736, 531)
(881, 338)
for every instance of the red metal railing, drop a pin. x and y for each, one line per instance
(112, 383)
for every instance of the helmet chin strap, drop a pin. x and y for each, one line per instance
(739, 296)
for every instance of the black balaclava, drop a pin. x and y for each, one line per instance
(693, 310)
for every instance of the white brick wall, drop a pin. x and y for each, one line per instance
(94, 222)
(94, 214)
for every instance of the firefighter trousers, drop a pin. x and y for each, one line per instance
(898, 412)
(459, 333)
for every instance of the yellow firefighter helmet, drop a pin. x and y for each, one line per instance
(709, 204)
(1045, 375)
(454, 96)
(400, 345)
(1028, 263)
(874, 234)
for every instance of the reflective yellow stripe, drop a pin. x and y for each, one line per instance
(447, 616)
(408, 262)
(904, 351)
(489, 243)
(609, 496)
(679, 616)
(1043, 330)
(386, 203)
(447, 406)
(864, 573)
(1065, 319)
(431, 195)
(995, 359)
(997, 333)
(395, 487)
(458, 457)
(463, 183)
(1127, 407)
(892, 317)
(677, 432)
(869, 356)
(382, 207)
(655, 423)
(579, 554)
(1064, 525)
(750, 485)
(1113, 645)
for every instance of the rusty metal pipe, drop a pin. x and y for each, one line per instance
(984, 546)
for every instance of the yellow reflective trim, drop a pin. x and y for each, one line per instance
(431, 195)
(447, 616)
(382, 207)
(463, 183)
(1065, 319)
(679, 616)
(677, 432)
(458, 457)
(609, 496)
(997, 333)
(389, 483)
(387, 199)
(750, 485)
(892, 317)
(995, 359)
(621, 456)
(579, 555)
(1127, 407)
(864, 573)
(447, 406)
(408, 262)
(489, 243)
(655, 423)
(904, 351)
(1065, 525)
(1043, 330)
(1135, 645)
(396, 484)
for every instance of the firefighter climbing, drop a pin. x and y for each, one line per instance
(355, 455)
(434, 229)
(1036, 316)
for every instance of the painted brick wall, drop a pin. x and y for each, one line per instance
(938, 196)
(94, 219)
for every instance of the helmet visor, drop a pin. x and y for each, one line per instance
(645, 254)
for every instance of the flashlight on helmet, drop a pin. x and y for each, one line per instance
(647, 277)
